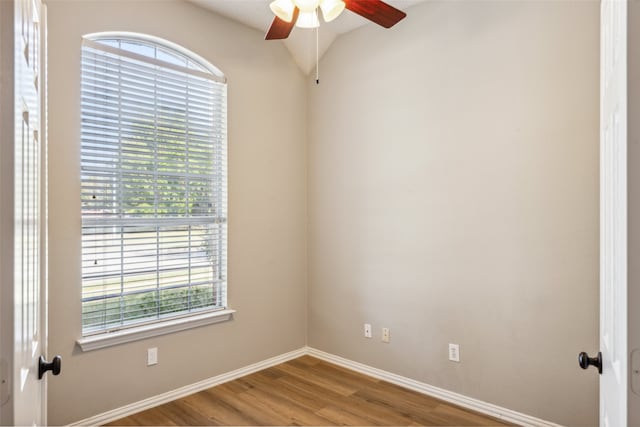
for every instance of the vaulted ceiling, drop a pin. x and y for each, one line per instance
(302, 42)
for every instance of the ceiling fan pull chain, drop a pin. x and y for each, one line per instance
(317, 54)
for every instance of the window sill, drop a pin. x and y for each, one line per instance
(95, 342)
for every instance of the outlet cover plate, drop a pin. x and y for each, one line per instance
(454, 352)
(386, 335)
(367, 330)
(152, 356)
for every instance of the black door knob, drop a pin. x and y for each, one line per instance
(585, 361)
(55, 366)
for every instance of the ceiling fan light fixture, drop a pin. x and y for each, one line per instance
(283, 9)
(331, 9)
(305, 14)
(307, 6)
(308, 20)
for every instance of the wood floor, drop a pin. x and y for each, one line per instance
(308, 392)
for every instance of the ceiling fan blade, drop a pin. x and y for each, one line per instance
(281, 29)
(377, 11)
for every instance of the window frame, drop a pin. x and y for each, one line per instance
(148, 327)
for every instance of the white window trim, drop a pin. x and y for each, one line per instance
(156, 40)
(214, 75)
(136, 333)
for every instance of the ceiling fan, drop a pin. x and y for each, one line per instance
(303, 13)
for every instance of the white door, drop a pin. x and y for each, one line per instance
(22, 208)
(613, 212)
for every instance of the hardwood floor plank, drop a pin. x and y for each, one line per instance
(307, 399)
(311, 375)
(249, 407)
(291, 410)
(217, 411)
(340, 417)
(463, 417)
(129, 421)
(349, 379)
(418, 408)
(415, 412)
(382, 415)
(311, 390)
(308, 392)
(237, 386)
(308, 360)
(347, 372)
(392, 393)
(180, 414)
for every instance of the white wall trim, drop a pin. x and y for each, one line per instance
(154, 329)
(458, 399)
(133, 408)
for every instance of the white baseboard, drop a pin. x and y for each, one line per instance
(458, 399)
(133, 408)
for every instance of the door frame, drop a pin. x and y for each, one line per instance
(44, 203)
(614, 198)
(6, 193)
(633, 178)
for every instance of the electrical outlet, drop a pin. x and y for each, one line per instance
(152, 356)
(367, 330)
(454, 352)
(385, 335)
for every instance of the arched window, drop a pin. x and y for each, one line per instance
(154, 183)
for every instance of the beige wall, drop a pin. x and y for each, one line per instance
(267, 202)
(453, 197)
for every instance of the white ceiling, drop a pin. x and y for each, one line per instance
(301, 42)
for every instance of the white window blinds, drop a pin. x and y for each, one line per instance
(154, 185)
